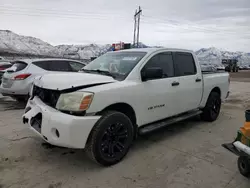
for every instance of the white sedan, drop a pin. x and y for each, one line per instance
(17, 80)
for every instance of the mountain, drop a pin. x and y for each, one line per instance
(214, 56)
(13, 43)
(24, 45)
(83, 51)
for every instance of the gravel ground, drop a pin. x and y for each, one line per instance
(185, 155)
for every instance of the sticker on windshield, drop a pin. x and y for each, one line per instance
(129, 58)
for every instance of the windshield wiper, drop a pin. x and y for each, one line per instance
(107, 73)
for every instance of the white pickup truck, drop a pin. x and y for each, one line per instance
(121, 95)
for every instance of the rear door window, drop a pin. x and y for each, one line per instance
(42, 64)
(54, 65)
(184, 63)
(18, 66)
(75, 66)
(59, 66)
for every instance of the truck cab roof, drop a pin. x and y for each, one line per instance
(152, 50)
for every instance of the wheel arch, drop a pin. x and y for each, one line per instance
(216, 90)
(206, 97)
(123, 108)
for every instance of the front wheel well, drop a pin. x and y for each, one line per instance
(123, 108)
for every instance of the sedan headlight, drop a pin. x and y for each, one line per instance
(75, 102)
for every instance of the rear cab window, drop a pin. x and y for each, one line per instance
(184, 64)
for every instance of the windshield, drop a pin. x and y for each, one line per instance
(116, 64)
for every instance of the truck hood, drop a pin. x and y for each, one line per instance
(71, 80)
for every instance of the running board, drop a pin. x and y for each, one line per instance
(160, 124)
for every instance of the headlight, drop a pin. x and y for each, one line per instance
(75, 102)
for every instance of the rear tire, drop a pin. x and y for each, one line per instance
(110, 139)
(212, 108)
(244, 165)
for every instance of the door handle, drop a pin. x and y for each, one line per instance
(198, 80)
(175, 83)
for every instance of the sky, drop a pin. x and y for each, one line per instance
(191, 24)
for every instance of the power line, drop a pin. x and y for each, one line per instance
(57, 11)
(59, 14)
(176, 23)
(190, 28)
(186, 26)
(41, 14)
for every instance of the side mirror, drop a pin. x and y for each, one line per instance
(151, 73)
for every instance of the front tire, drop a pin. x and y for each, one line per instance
(110, 139)
(212, 108)
(244, 165)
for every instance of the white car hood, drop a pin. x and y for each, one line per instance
(70, 80)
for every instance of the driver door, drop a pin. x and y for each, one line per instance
(159, 94)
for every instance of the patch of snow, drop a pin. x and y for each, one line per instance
(12, 42)
(214, 56)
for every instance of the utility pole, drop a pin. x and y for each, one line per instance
(137, 27)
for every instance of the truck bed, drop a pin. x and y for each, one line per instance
(213, 72)
(212, 79)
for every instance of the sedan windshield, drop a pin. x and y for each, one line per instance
(115, 64)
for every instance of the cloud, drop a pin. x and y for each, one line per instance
(187, 24)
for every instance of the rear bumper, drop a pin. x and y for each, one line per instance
(58, 128)
(17, 88)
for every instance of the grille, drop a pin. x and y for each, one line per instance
(48, 96)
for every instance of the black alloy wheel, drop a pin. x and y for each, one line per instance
(215, 107)
(212, 108)
(114, 140)
(110, 139)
